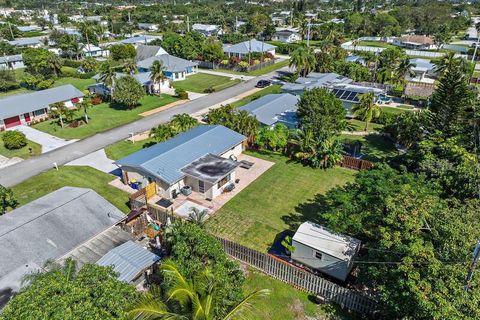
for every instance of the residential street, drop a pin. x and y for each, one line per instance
(24, 170)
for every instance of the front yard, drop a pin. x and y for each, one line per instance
(123, 148)
(84, 177)
(103, 117)
(201, 81)
(23, 153)
(264, 209)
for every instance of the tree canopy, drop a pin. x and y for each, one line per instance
(128, 91)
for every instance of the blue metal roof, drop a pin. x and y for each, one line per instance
(166, 159)
(274, 108)
(129, 260)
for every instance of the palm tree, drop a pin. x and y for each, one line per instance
(183, 122)
(303, 145)
(55, 63)
(303, 60)
(196, 298)
(246, 124)
(366, 109)
(108, 76)
(197, 216)
(130, 66)
(329, 152)
(85, 105)
(60, 111)
(162, 132)
(403, 69)
(156, 73)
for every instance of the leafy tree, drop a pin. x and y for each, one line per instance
(156, 72)
(41, 62)
(367, 109)
(303, 60)
(417, 246)
(407, 128)
(441, 37)
(14, 140)
(212, 50)
(7, 49)
(256, 23)
(320, 111)
(7, 199)
(193, 250)
(450, 101)
(8, 80)
(128, 92)
(196, 298)
(221, 116)
(273, 139)
(122, 52)
(89, 64)
(93, 292)
(246, 124)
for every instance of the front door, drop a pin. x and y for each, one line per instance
(201, 186)
(27, 117)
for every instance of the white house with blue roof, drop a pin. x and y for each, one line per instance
(242, 49)
(203, 158)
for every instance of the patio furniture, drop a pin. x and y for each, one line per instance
(186, 190)
(246, 164)
(229, 187)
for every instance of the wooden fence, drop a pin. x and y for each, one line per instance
(300, 278)
(356, 164)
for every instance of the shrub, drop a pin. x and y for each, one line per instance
(45, 84)
(97, 100)
(209, 90)
(14, 140)
(72, 63)
(182, 94)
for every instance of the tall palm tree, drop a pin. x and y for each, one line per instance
(367, 109)
(85, 105)
(55, 63)
(60, 111)
(403, 69)
(303, 146)
(196, 298)
(162, 132)
(156, 73)
(246, 124)
(329, 152)
(108, 76)
(303, 59)
(182, 122)
(129, 66)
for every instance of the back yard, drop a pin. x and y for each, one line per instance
(201, 81)
(104, 117)
(264, 209)
(84, 177)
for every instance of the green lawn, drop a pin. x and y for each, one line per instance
(85, 177)
(393, 110)
(201, 81)
(103, 117)
(375, 147)
(21, 153)
(269, 205)
(271, 89)
(123, 148)
(358, 125)
(378, 44)
(80, 84)
(288, 303)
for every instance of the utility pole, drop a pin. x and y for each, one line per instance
(236, 24)
(249, 51)
(471, 270)
(11, 31)
(188, 24)
(475, 52)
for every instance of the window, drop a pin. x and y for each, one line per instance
(39, 112)
(224, 181)
(201, 186)
(318, 255)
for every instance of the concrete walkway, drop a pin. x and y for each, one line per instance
(47, 141)
(226, 74)
(97, 160)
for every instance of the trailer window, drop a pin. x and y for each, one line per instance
(318, 255)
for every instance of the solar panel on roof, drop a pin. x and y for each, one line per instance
(345, 95)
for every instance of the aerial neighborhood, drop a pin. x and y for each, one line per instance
(218, 159)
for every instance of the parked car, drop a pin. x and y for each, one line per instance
(263, 83)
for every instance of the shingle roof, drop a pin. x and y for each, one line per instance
(171, 63)
(51, 226)
(166, 159)
(274, 108)
(27, 102)
(146, 51)
(417, 39)
(318, 237)
(249, 46)
(129, 260)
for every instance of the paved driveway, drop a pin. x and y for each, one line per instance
(97, 160)
(47, 141)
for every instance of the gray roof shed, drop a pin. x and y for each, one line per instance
(17, 104)
(129, 260)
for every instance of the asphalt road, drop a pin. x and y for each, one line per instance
(24, 170)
